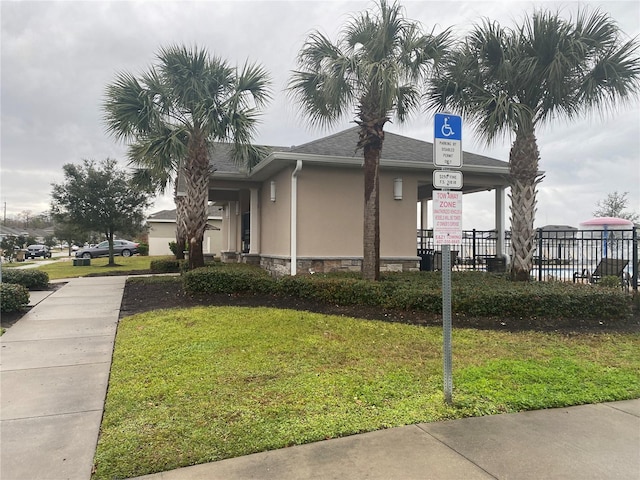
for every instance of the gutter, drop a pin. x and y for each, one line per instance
(294, 218)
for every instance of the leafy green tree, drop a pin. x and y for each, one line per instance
(50, 241)
(173, 115)
(29, 240)
(510, 81)
(10, 244)
(66, 231)
(374, 70)
(614, 206)
(99, 197)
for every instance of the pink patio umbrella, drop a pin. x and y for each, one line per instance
(605, 224)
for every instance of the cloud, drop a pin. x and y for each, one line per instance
(58, 57)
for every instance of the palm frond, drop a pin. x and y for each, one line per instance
(254, 82)
(128, 108)
(248, 155)
(368, 70)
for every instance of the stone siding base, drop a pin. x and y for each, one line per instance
(251, 259)
(278, 266)
(229, 257)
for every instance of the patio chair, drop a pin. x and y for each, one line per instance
(628, 278)
(608, 267)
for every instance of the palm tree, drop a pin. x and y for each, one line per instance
(156, 178)
(374, 71)
(509, 81)
(175, 113)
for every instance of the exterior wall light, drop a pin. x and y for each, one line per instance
(397, 188)
(273, 190)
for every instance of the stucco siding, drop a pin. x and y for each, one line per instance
(330, 222)
(160, 234)
(276, 215)
(398, 217)
(329, 212)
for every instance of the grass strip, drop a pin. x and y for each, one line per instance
(190, 386)
(65, 268)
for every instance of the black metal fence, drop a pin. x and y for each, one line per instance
(565, 255)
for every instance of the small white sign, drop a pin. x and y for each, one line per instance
(447, 179)
(447, 217)
(447, 153)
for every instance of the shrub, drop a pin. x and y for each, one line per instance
(165, 265)
(220, 278)
(173, 246)
(610, 281)
(339, 290)
(30, 279)
(474, 294)
(143, 249)
(13, 297)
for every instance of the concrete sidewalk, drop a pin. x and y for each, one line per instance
(54, 370)
(587, 442)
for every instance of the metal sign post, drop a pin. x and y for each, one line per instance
(447, 206)
(446, 324)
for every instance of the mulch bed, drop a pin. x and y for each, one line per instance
(142, 297)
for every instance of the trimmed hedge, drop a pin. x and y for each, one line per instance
(474, 294)
(166, 265)
(236, 278)
(30, 278)
(341, 291)
(13, 297)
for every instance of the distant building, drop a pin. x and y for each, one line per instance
(162, 231)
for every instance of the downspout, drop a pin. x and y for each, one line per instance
(294, 218)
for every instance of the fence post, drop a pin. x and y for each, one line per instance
(473, 247)
(634, 257)
(539, 233)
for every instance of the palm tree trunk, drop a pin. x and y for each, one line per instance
(371, 138)
(197, 181)
(523, 165)
(181, 229)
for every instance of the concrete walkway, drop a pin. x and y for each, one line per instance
(587, 442)
(54, 370)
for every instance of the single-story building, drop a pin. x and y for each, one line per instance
(162, 231)
(300, 209)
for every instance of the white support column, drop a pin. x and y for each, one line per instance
(294, 218)
(254, 214)
(232, 210)
(424, 214)
(500, 215)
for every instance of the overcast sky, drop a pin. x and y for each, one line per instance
(58, 57)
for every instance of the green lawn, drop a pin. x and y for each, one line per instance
(203, 384)
(64, 268)
(16, 264)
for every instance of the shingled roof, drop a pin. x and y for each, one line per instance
(343, 144)
(170, 215)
